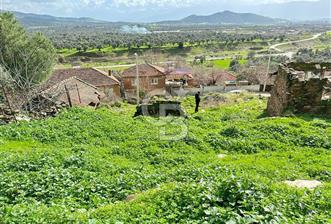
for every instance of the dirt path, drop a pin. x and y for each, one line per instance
(275, 47)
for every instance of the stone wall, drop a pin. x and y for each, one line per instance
(301, 88)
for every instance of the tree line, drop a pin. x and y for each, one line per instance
(83, 39)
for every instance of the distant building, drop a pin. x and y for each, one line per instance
(180, 77)
(223, 78)
(109, 85)
(243, 83)
(151, 78)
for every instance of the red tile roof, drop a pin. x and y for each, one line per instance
(92, 76)
(144, 70)
(53, 89)
(224, 76)
(180, 73)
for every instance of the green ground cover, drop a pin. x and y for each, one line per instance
(225, 63)
(105, 166)
(110, 56)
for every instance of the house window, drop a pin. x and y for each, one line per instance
(134, 82)
(154, 81)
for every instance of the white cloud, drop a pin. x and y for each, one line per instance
(132, 9)
(39, 5)
(180, 3)
(177, 3)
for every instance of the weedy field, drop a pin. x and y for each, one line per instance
(225, 63)
(105, 166)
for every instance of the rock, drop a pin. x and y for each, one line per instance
(310, 184)
(23, 118)
(221, 156)
(130, 198)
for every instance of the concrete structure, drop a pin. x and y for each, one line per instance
(301, 88)
(161, 109)
(213, 89)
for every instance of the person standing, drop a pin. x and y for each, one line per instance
(197, 101)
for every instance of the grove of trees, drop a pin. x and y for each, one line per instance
(309, 55)
(84, 38)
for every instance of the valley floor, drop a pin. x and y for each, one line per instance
(105, 166)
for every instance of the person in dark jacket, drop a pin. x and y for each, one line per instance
(197, 101)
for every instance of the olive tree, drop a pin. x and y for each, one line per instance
(28, 59)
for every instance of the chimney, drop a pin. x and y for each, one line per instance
(109, 72)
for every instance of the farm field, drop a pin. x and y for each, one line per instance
(213, 51)
(225, 63)
(105, 166)
(95, 58)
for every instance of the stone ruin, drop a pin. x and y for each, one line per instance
(301, 88)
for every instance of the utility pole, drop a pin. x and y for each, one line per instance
(68, 95)
(268, 68)
(137, 79)
(80, 100)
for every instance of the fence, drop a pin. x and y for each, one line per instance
(213, 89)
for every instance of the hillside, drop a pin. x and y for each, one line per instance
(35, 20)
(228, 17)
(104, 166)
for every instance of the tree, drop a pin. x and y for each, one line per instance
(27, 59)
(234, 65)
(180, 45)
(256, 74)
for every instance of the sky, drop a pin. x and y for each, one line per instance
(143, 10)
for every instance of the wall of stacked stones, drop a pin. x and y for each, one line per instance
(297, 96)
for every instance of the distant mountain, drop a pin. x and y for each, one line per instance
(35, 20)
(296, 10)
(228, 17)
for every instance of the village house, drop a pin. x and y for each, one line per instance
(223, 78)
(151, 78)
(107, 84)
(179, 77)
(67, 93)
(73, 92)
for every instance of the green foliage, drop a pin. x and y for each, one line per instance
(226, 63)
(28, 59)
(105, 166)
